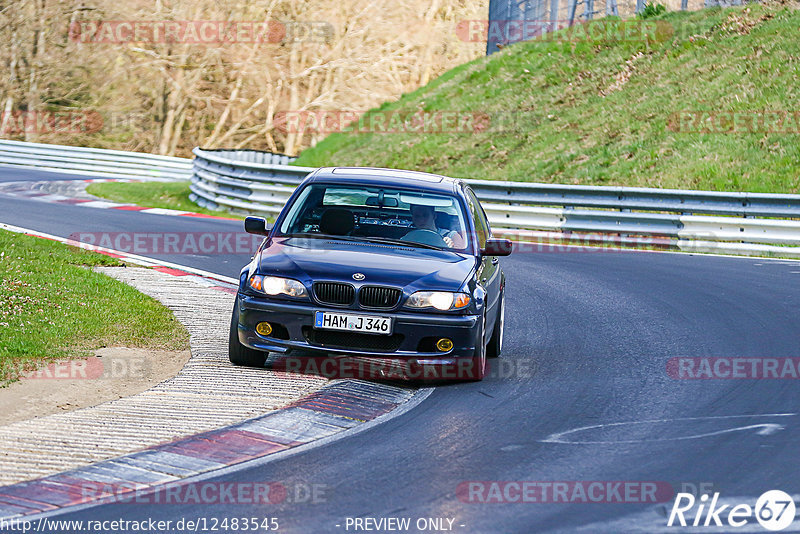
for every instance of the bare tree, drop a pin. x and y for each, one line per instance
(331, 55)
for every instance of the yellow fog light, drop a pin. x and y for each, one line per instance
(264, 329)
(444, 344)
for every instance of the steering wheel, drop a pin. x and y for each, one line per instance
(426, 237)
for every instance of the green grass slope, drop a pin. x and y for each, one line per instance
(53, 306)
(614, 111)
(170, 195)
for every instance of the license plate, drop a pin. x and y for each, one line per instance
(353, 322)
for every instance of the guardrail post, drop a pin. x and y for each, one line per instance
(554, 15)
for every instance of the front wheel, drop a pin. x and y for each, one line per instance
(238, 354)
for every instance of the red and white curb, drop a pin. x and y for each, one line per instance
(333, 412)
(73, 192)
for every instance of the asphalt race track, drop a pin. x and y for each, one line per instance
(64, 220)
(588, 338)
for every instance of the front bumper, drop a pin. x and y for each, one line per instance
(414, 332)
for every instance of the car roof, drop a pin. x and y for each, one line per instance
(421, 181)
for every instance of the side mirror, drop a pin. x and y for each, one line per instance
(256, 225)
(497, 247)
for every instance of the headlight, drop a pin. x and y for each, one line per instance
(441, 300)
(274, 285)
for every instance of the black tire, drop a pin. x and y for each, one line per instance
(496, 342)
(477, 369)
(238, 353)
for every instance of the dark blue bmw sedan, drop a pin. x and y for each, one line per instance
(375, 263)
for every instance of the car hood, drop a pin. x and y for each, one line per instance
(321, 259)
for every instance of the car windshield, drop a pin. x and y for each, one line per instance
(379, 214)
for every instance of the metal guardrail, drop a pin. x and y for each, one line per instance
(700, 221)
(93, 161)
(258, 182)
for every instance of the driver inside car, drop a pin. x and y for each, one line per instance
(424, 218)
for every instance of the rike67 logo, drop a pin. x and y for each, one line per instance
(774, 510)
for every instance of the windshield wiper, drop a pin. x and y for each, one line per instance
(401, 242)
(314, 235)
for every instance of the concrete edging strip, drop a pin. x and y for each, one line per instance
(317, 417)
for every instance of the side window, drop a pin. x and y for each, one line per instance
(481, 225)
